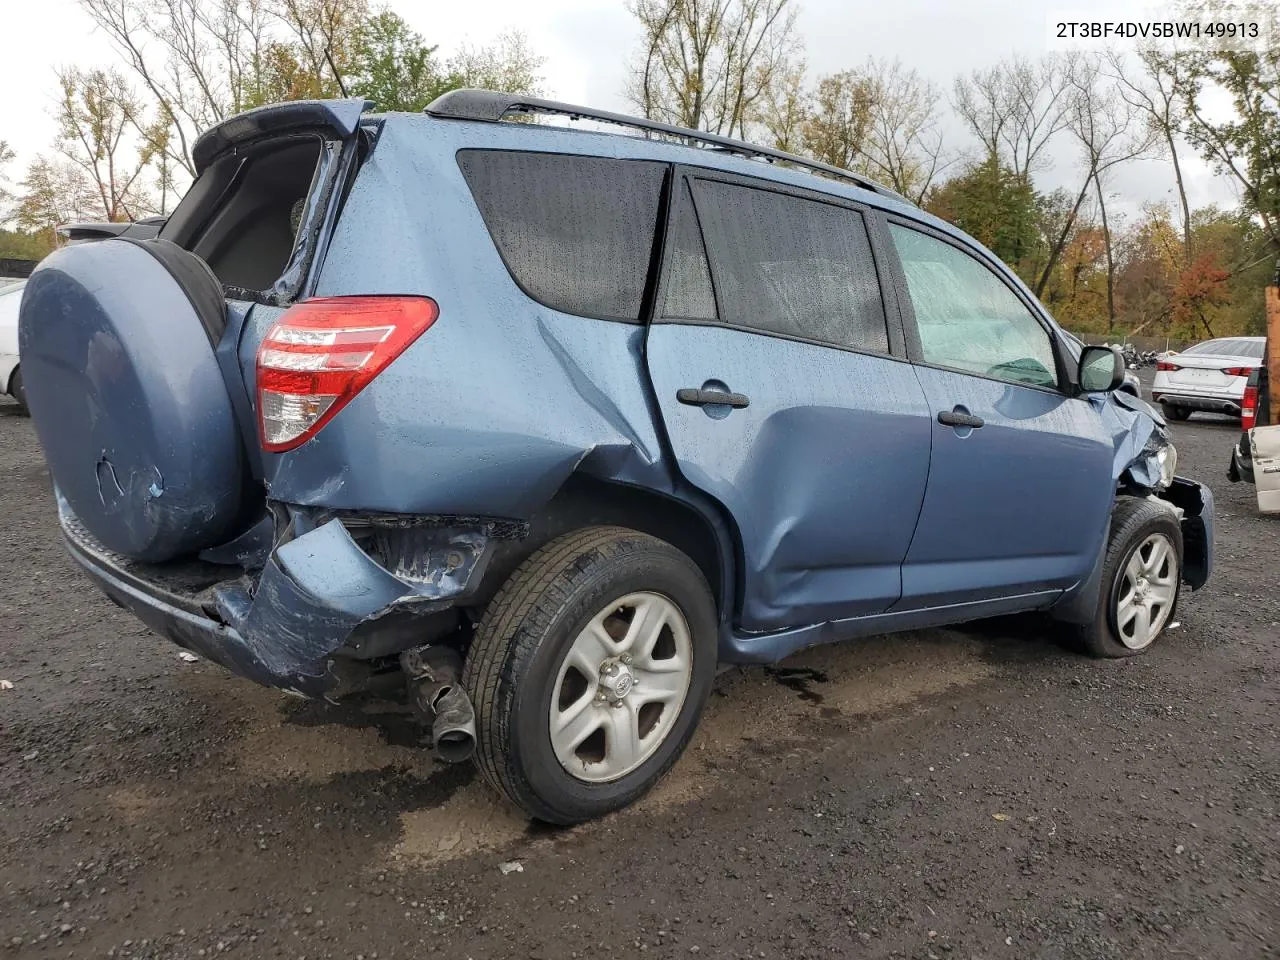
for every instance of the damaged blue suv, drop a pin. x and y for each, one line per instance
(551, 421)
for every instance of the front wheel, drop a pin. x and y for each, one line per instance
(589, 671)
(1141, 577)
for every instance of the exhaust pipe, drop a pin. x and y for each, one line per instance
(434, 675)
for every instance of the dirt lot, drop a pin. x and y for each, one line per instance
(942, 794)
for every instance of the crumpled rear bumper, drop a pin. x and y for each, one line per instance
(286, 627)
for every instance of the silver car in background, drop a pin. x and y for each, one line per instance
(1210, 376)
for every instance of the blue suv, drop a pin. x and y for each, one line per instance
(549, 422)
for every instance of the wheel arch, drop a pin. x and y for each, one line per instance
(687, 519)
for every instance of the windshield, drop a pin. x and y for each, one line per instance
(1228, 347)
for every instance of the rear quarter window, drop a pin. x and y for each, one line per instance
(576, 233)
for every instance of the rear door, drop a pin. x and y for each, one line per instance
(1020, 484)
(820, 448)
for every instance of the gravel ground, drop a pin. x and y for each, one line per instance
(976, 793)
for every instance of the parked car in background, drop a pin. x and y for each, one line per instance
(1210, 376)
(1254, 410)
(552, 421)
(10, 375)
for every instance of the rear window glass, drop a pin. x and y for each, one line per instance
(688, 292)
(792, 266)
(576, 233)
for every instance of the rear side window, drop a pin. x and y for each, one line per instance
(576, 233)
(790, 266)
(688, 293)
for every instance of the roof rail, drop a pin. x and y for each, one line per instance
(492, 105)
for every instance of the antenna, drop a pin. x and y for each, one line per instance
(328, 55)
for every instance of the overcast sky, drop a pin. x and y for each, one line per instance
(587, 44)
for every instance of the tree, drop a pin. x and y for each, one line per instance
(1103, 125)
(6, 157)
(96, 113)
(710, 64)
(1155, 95)
(52, 193)
(991, 203)
(786, 108)
(902, 144)
(1246, 145)
(1016, 108)
(393, 66)
(509, 65)
(839, 115)
(1201, 289)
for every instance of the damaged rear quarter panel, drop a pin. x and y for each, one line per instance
(495, 406)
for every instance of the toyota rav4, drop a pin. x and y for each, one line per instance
(553, 421)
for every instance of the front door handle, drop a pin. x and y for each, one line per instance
(956, 418)
(695, 397)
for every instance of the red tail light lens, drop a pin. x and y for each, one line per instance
(1166, 365)
(322, 353)
(1249, 408)
(1237, 371)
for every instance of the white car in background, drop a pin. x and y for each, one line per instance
(10, 375)
(1210, 376)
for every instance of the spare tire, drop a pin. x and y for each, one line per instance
(117, 345)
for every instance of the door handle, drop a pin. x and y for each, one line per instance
(954, 418)
(695, 397)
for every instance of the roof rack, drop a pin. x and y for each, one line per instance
(492, 105)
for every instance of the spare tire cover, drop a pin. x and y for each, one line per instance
(128, 399)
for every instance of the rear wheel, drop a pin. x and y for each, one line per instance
(18, 391)
(589, 671)
(1174, 413)
(1141, 577)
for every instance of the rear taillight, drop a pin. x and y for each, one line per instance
(1237, 371)
(1166, 365)
(322, 353)
(1249, 408)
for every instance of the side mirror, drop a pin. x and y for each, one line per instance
(1101, 369)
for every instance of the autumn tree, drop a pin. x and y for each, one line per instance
(1103, 126)
(53, 192)
(839, 115)
(1200, 290)
(711, 64)
(98, 119)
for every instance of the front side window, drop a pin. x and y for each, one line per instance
(791, 266)
(575, 232)
(968, 318)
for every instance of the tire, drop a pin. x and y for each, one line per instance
(18, 391)
(1135, 523)
(1174, 413)
(519, 669)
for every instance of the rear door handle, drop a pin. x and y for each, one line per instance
(695, 397)
(954, 418)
